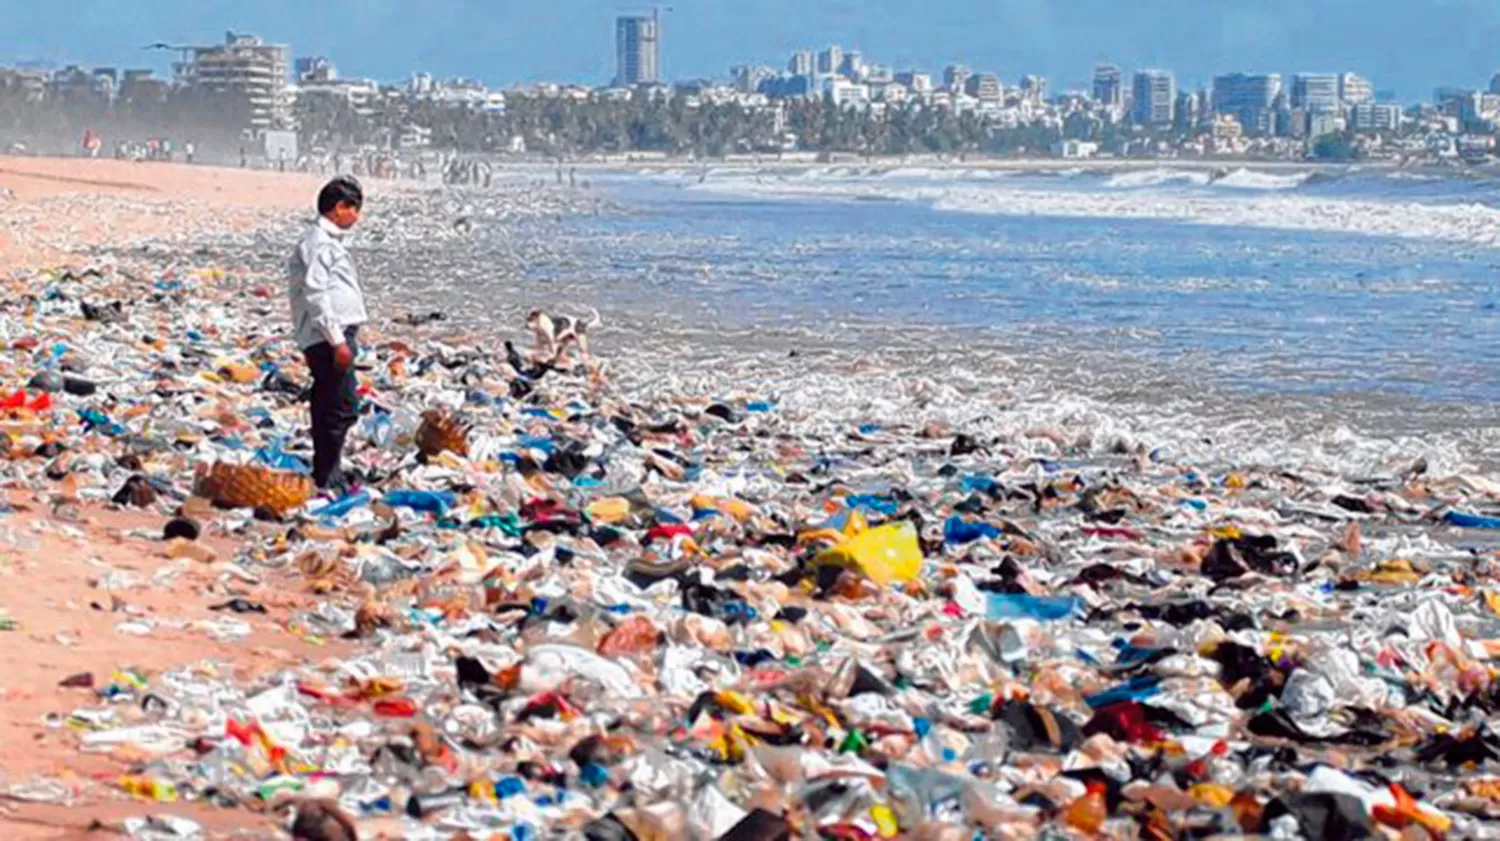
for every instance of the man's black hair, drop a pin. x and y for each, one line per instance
(341, 189)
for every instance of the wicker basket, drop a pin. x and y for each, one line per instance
(252, 486)
(442, 432)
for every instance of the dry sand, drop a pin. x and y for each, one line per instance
(51, 212)
(57, 207)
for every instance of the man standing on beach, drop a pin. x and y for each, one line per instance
(328, 307)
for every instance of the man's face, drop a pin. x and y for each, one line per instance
(345, 215)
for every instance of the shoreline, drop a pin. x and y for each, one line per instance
(1041, 165)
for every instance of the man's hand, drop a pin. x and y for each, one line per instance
(343, 357)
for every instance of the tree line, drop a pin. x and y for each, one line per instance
(57, 122)
(564, 127)
(554, 126)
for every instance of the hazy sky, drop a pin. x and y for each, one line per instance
(1408, 46)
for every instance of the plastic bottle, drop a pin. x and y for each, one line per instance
(422, 805)
(1089, 812)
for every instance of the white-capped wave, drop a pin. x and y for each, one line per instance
(1246, 179)
(1441, 219)
(1159, 177)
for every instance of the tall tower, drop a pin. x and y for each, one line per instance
(1155, 98)
(637, 49)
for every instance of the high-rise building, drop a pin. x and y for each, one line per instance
(853, 65)
(317, 78)
(1154, 97)
(1034, 88)
(1466, 105)
(1355, 89)
(315, 70)
(956, 77)
(1109, 86)
(830, 60)
(1249, 98)
(1315, 92)
(637, 50)
(1495, 83)
(314, 67)
(74, 84)
(801, 63)
(142, 86)
(1369, 116)
(915, 82)
(1185, 112)
(985, 87)
(749, 77)
(1323, 123)
(245, 69)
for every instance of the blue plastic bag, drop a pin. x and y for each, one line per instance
(871, 502)
(957, 530)
(1136, 689)
(96, 421)
(538, 442)
(979, 484)
(273, 457)
(427, 502)
(1023, 606)
(340, 507)
(1472, 521)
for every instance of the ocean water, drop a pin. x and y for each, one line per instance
(1362, 302)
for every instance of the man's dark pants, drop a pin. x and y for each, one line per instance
(335, 408)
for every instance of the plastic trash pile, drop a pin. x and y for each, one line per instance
(599, 608)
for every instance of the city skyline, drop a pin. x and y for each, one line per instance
(575, 40)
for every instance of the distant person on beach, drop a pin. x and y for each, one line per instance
(189, 151)
(328, 307)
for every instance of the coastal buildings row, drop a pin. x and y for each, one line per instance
(1137, 112)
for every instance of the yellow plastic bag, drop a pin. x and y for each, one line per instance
(609, 510)
(238, 372)
(737, 509)
(885, 555)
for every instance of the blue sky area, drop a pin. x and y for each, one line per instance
(1406, 46)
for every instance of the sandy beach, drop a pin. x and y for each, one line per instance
(52, 211)
(54, 551)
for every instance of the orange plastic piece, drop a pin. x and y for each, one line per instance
(1089, 812)
(1408, 811)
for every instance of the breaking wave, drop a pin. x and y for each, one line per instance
(1374, 203)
